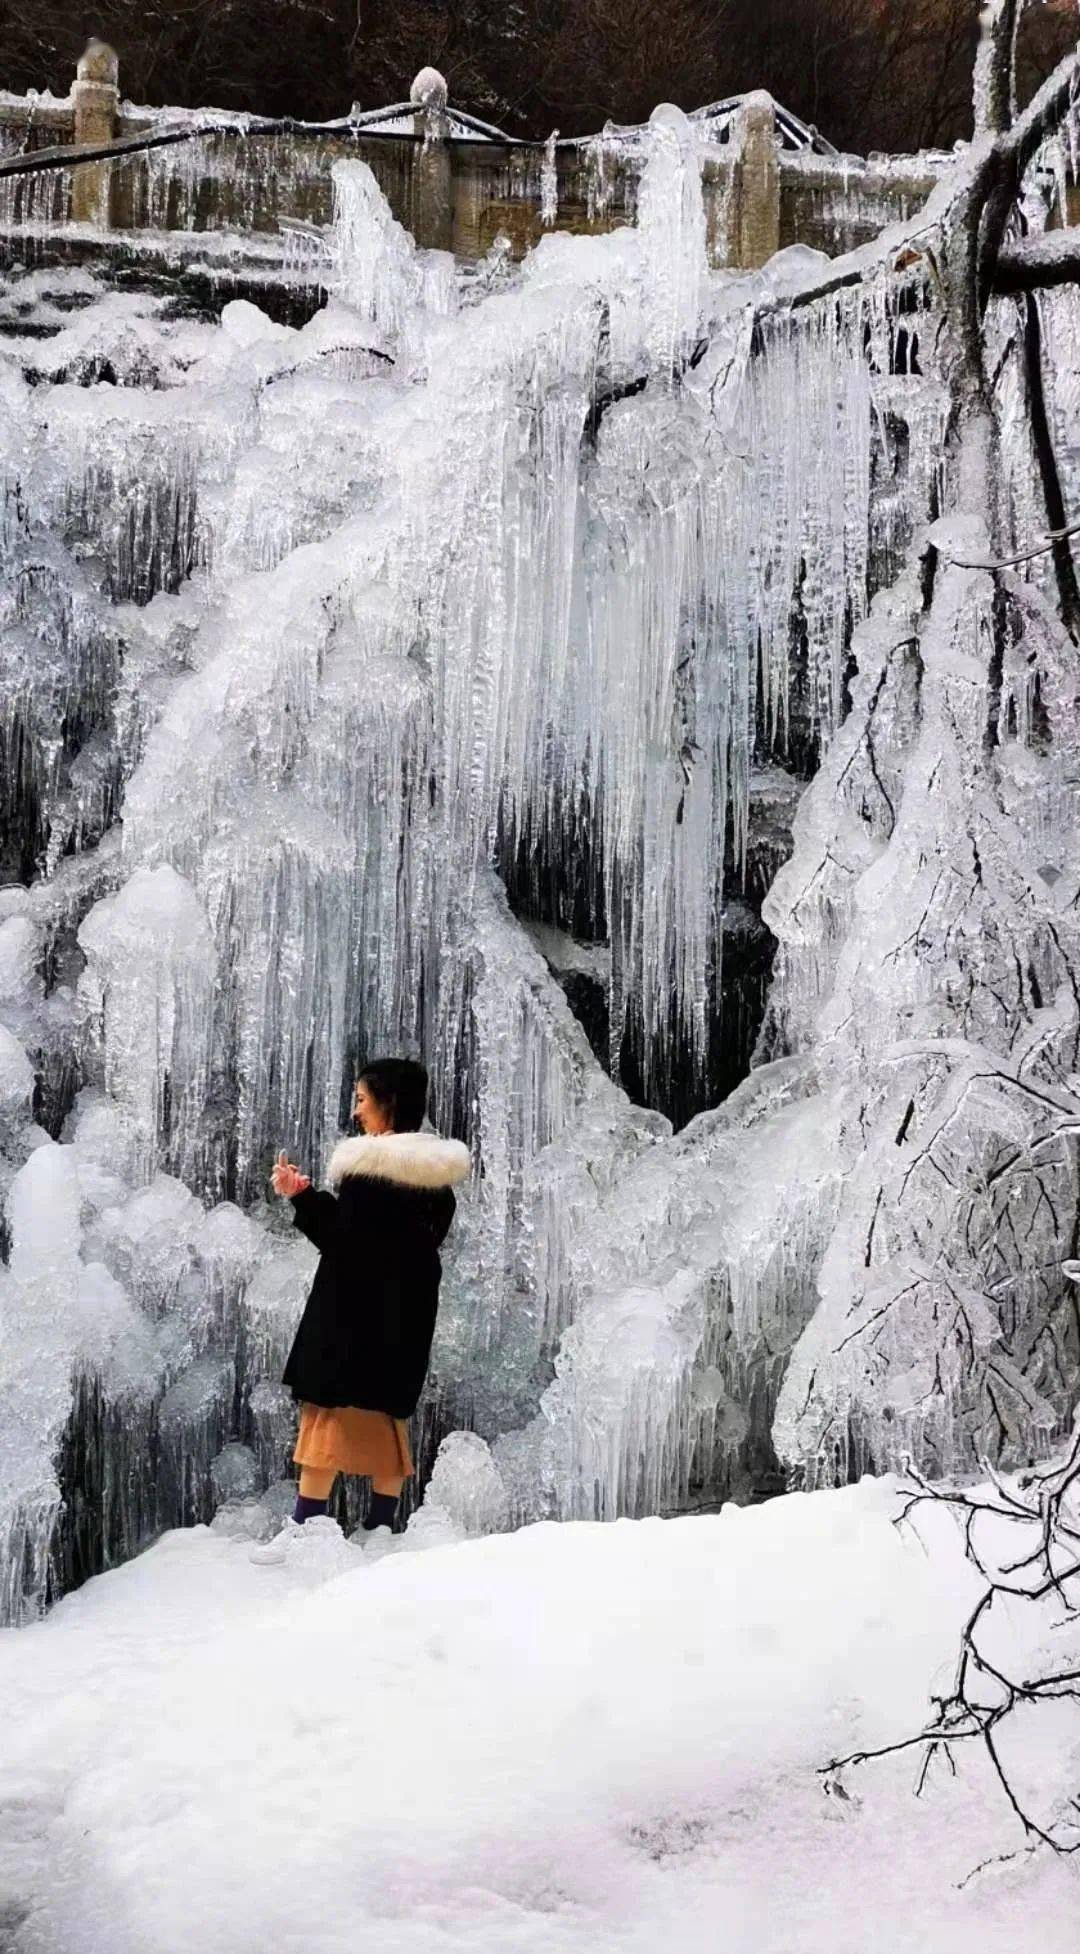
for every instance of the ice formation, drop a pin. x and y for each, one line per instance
(539, 580)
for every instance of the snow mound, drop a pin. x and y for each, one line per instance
(568, 1740)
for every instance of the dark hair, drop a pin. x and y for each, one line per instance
(400, 1085)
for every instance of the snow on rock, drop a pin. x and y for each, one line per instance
(248, 326)
(560, 1741)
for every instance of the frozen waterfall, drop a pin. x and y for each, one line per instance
(348, 667)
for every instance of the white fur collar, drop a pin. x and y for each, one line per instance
(410, 1159)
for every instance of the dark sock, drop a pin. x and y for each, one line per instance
(307, 1509)
(381, 1511)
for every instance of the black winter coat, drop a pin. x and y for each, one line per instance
(365, 1336)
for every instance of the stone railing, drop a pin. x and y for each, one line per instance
(455, 184)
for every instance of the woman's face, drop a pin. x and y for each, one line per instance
(371, 1115)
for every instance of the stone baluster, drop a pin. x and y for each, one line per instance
(96, 96)
(753, 225)
(432, 196)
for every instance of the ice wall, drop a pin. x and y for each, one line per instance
(537, 567)
(692, 1275)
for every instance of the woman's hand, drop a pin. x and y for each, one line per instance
(287, 1179)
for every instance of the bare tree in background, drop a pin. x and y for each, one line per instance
(609, 61)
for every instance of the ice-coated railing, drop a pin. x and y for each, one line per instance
(455, 180)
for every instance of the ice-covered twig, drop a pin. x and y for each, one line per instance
(965, 1713)
(994, 81)
(1022, 556)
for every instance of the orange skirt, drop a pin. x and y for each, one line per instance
(369, 1444)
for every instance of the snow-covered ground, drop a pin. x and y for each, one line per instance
(566, 1740)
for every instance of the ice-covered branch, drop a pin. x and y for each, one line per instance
(1049, 470)
(1022, 556)
(995, 66)
(1046, 111)
(986, 1696)
(1040, 262)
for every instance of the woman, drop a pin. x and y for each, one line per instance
(360, 1355)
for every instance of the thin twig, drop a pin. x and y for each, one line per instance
(1025, 556)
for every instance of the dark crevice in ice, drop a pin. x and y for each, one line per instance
(558, 898)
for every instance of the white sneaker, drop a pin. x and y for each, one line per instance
(315, 1547)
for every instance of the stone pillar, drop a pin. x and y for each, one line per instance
(432, 192)
(753, 226)
(96, 97)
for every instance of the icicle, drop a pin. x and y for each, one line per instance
(602, 156)
(549, 184)
(373, 258)
(671, 225)
(149, 980)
